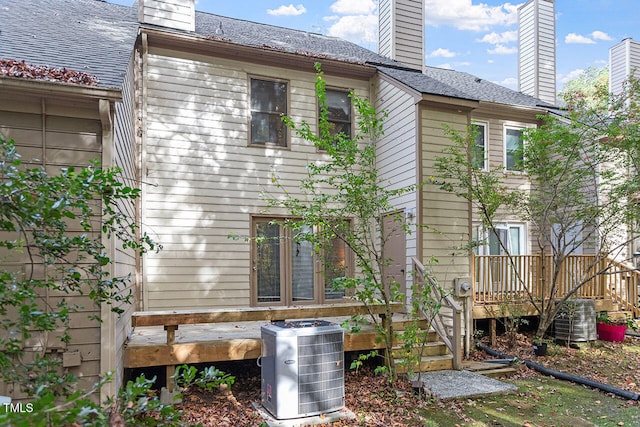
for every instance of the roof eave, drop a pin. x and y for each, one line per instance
(49, 88)
(520, 108)
(451, 101)
(230, 50)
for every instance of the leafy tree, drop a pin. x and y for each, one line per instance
(344, 198)
(54, 225)
(583, 169)
(591, 88)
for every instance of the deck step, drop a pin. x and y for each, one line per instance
(436, 348)
(428, 363)
(493, 370)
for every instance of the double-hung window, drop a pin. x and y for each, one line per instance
(338, 112)
(288, 270)
(479, 158)
(268, 104)
(513, 148)
(502, 240)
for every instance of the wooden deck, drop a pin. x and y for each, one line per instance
(500, 280)
(174, 337)
(202, 343)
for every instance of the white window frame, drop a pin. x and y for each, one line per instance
(504, 145)
(485, 137)
(483, 235)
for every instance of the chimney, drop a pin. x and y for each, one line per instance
(401, 31)
(176, 14)
(624, 60)
(537, 49)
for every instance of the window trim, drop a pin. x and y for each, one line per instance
(286, 282)
(485, 134)
(351, 111)
(506, 127)
(287, 136)
(518, 126)
(482, 235)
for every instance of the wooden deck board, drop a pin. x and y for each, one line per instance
(203, 343)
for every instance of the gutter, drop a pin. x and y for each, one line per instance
(49, 88)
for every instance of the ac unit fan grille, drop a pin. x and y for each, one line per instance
(320, 373)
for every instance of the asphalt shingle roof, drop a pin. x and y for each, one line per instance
(254, 34)
(97, 37)
(90, 36)
(456, 84)
(434, 81)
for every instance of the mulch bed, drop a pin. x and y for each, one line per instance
(376, 404)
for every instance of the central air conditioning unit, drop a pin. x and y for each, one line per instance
(576, 321)
(302, 368)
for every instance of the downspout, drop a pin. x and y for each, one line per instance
(468, 301)
(141, 135)
(107, 326)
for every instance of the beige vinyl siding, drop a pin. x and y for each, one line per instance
(446, 215)
(515, 180)
(55, 134)
(396, 154)
(125, 157)
(201, 179)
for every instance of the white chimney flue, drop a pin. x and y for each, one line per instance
(624, 61)
(401, 31)
(176, 14)
(537, 49)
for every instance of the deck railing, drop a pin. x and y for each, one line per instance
(499, 278)
(447, 322)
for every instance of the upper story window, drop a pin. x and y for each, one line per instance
(268, 104)
(504, 239)
(338, 112)
(479, 157)
(513, 146)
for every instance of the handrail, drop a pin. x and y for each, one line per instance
(623, 286)
(248, 314)
(502, 277)
(447, 323)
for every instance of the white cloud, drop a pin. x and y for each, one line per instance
(566, 78)
(356, 28)
(441, 53)
(510, 82)
(573, 38)
(502, 50)
(599, 35)
(495, 38)
(464, 15)
(353, 7)
(446, 66)
(290, 10)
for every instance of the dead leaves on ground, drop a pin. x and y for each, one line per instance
(376, 404)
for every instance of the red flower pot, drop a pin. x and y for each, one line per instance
(607, 332)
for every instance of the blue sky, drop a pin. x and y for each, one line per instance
(478, 37)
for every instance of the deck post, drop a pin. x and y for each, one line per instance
(492, 332)
(171, 369)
